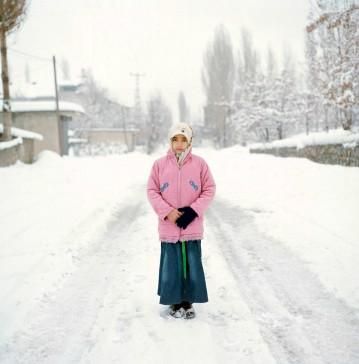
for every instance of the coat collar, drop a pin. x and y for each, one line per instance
(188, 154)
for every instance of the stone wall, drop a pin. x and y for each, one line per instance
(10, 155)
(326, 154)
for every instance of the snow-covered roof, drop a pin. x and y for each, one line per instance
(337, 136)
(23, 133)
(36, 105)
(10, 143)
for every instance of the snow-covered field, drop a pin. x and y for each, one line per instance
(79, 259)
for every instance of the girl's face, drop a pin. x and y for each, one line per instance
(179, 143)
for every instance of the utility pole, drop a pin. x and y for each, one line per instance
(6, 88)
(137, 99)
(60, 129)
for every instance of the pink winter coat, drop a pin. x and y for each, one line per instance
(172, 186)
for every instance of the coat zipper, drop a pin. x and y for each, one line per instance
(179, 189)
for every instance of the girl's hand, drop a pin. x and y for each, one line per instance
(174, 215)
(188, 216)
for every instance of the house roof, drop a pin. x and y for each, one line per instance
(49, 105)
(11, 143)
(26, 134)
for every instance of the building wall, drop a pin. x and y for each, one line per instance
(44, 123)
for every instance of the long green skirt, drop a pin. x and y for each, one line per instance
(181, 275)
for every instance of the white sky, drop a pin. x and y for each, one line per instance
(162, 38)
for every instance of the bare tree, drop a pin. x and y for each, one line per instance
(12, 13)
(183, 108)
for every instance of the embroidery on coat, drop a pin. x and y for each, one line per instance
(193, 184)
(164, 186)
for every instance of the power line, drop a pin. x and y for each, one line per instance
(30, 55)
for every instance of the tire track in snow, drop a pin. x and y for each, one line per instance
(60, 330)
(29, 281)
(300, 321)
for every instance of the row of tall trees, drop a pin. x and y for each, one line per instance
(253, 100)
(245, 103)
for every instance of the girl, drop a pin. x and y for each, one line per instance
(180, 188)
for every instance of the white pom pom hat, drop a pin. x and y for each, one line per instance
(181, 129)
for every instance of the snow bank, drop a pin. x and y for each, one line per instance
(338, 136)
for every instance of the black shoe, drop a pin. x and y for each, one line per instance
(176, 310)
(189, 312)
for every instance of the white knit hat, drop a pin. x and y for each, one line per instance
(181, 129)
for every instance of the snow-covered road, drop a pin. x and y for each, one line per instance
(88, 295)
(298, 319)
(265, 305)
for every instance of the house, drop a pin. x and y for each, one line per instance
(40, 116)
